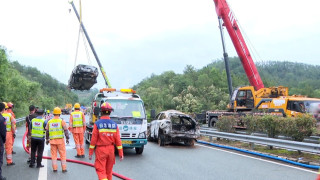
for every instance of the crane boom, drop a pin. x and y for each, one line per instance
(92, 48)
(224, 12)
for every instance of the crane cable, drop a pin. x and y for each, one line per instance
(83, 38)
(76, 56)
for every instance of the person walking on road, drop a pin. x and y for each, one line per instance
(105, 136)
(10, 110)
(77, 125)
(55, 129)
(32, 110)
(10, 121)
(3, 134)
(37, 134)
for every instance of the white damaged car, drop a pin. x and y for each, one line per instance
(173, 126)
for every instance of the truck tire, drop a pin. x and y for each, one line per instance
(139, 150)
(212, 122)
(161, 140)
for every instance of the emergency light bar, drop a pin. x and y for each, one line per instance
(115, 90)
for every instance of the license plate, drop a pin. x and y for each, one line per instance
(126, 142)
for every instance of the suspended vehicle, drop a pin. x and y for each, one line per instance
(83, 77)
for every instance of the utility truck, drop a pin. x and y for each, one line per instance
(129, 114)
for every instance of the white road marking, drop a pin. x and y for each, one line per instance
(43, 172)
(257, 158)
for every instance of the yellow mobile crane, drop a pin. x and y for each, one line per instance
(245, 99)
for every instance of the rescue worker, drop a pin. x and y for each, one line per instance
(48, 115)
(37, 134)
(32, 110)
(55, 129)
(77, 125)
(10, 133)
(3, 134)
(105, 136)
(10, 110)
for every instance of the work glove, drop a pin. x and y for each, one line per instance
(67, 141)
(90, 157)
(14, 136)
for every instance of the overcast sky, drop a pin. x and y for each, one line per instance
(135, 38)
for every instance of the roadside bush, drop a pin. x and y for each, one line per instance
(295, 127)
(271, 125)
(299, 127)
(251, 123)
(226, 123)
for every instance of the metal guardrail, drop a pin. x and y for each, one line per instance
(310, 139)
(293, 145)
(20, 120)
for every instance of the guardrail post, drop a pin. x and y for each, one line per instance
(252, 145)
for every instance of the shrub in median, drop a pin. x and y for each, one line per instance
(299, 127)
(251, 123)
(226, 123)
(270, 125)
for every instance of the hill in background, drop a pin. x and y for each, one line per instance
(25, 85)
(196, 90)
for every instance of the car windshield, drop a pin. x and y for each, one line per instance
(124, 108)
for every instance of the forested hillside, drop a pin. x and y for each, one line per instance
(24, 85)
(86, 97)
(206, 89)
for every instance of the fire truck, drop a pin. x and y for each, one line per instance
(244, 100)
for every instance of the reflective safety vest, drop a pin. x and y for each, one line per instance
(55, 129)
(7, 116)
(37, 128)
(77, 119)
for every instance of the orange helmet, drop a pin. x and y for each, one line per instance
(106, 107)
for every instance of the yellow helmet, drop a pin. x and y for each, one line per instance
(48, 111)
(6, 105)
(57, 110)
(77, 106)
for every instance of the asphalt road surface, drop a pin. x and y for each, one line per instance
(175, 161)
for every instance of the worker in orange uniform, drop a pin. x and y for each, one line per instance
(77, 125)
(105, 136)
(56, 128)
(10, 134)
(10, 110)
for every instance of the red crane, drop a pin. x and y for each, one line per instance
(224, 12)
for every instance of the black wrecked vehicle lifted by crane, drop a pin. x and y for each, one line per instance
(83, 77)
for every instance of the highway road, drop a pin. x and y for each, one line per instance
(174, 161)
